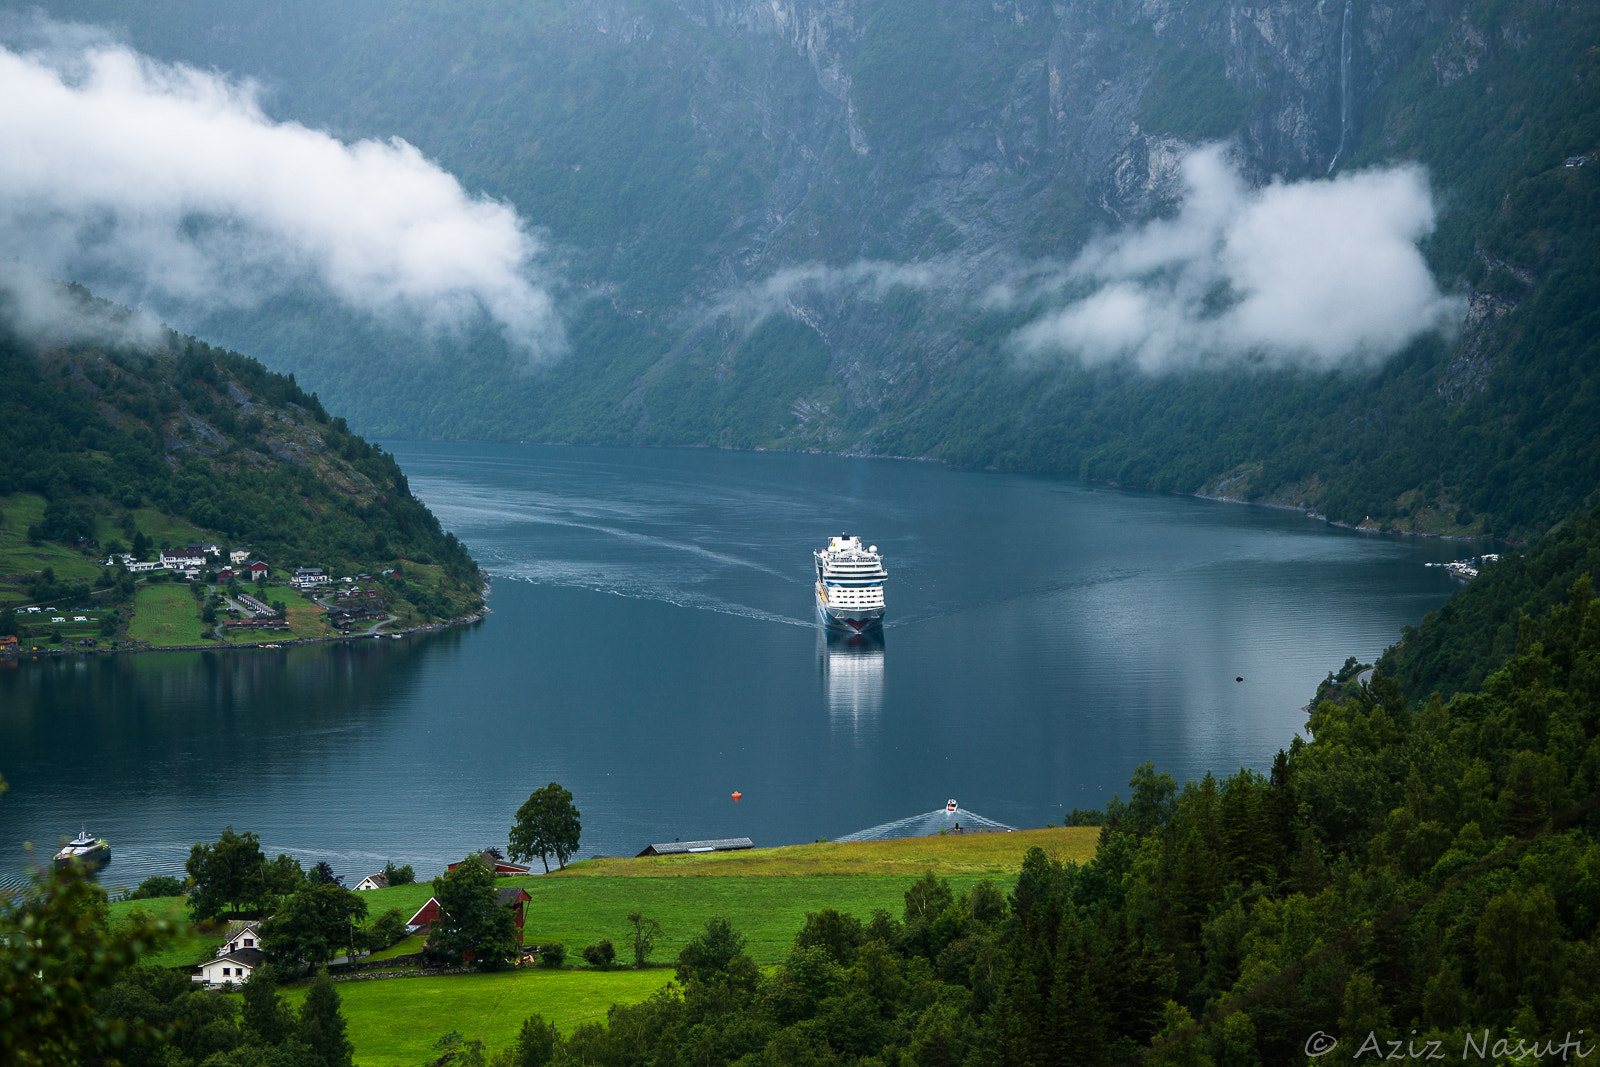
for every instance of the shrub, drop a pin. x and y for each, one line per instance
(552, 955)
(600, 955)
(157, 885)
(386, 930)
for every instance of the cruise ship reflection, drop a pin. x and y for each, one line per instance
(852, 671)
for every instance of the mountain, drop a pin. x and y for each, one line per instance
(120, 434)
(782, 225)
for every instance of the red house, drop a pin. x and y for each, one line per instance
(492, 860)
(515, 899)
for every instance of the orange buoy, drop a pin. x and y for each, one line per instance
(737, 795)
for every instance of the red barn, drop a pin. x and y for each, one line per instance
(515, 899)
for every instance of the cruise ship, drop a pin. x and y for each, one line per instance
(850, 585)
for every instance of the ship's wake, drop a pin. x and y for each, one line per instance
(927, 824)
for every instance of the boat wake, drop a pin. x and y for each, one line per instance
(637, 589)
(927, 824)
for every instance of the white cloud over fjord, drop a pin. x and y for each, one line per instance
(1318, 273)
(173, 182)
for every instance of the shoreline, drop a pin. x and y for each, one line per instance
(269, 646)
(1312, 513)
(1309, 512)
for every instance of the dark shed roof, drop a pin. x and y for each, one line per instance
(721, 844)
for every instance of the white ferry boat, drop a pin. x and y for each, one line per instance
(850, 585)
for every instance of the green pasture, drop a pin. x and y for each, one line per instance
(950, 855)
(764, 893)
(17, 512)
(164, 613)
(188, 946)
(398, 1021)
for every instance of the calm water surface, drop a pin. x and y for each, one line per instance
(652, 647)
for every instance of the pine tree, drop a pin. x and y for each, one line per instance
(322, 1026)
(264, 1015)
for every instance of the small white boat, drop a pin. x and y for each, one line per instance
(84, 849)
(950, 805)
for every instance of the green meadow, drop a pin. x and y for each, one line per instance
(164, 613)
(764, 893)
(398, 1021)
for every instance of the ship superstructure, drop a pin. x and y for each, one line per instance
(850, 580)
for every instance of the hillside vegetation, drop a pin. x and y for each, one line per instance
(154, 445)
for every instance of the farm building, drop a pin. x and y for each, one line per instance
(676, 848)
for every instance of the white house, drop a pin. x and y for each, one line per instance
(180, 560)
(235, 967)
(241, 935)
(140, 568)
(238, 556)
(373, 881)
(308, 576)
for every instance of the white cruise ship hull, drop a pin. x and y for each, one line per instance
(847, 620)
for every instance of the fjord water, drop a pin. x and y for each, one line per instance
(653, 648)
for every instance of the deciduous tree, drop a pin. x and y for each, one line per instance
(547, 824)
(471, 924)
(316, 924)
(230, 872)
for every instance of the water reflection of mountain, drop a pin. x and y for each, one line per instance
(176, 717)
(852, 674)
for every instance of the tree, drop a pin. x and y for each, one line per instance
(398, 875)
(536, 1044)
(284, 875)
(231, 872)
(601, 955)
(57, 955)
(546, 824)
(316, 924)
(322, 874)
(387, 929)
(643, 938)
(322, 1025)
(471, 925)
(263, 1015)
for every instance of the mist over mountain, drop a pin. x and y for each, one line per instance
(1325, 255)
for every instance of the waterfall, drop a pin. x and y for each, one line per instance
(1344, 83)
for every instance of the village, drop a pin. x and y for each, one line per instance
(203, 592)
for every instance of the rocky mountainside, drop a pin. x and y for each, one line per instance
(823, 223)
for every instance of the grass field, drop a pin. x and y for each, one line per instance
(764, 893)
(17, 512)
(951, 855)
(398, 1021)
(190, 946)
(164, 614)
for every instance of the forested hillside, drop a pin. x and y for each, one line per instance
(733, 190)
(119, 437)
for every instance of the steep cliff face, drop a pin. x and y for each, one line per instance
(785, 223)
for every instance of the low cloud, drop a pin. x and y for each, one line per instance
(1317, 273)
(791, 289)
(171, 187)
